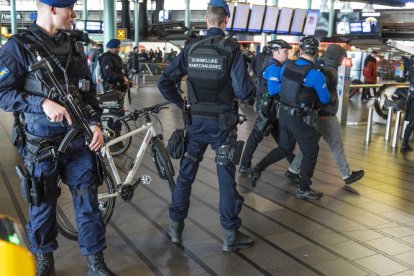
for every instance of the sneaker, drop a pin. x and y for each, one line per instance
(308, 194)
(255, 176)
(354, 176)
(245, 171)
(295, 177)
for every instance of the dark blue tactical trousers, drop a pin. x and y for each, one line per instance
(78, 170)
(292, 129)
(203, 132)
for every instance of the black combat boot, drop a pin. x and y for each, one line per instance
(256, 172)
(45, 264)
(97, 266)
(175, 231)
(405, 147)
(235, 240)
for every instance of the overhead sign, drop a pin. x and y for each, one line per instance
(121, 33)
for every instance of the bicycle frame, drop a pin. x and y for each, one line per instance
(106, 153)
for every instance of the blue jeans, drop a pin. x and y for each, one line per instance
(202, 132)
(77, 169)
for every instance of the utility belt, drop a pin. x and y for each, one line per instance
(308, 115)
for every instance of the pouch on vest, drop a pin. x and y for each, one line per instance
(176, 144)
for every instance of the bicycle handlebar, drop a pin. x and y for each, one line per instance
(134, 115)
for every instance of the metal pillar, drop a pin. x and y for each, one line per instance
(109, 20)
(136, 22)
(187, 13)
(85, 10)
(395, 135)
(13, 14)
(388, 127)
(275, 3)
(369, 125)
(331, 18)
(309, 5)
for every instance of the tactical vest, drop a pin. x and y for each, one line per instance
(209, 83)
(331, 76)
(292, 92)
(262, 87)
(70, 54)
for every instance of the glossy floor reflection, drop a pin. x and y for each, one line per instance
(363, 229)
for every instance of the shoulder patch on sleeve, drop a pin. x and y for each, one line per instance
(4, 72)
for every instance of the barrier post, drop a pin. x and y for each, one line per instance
(369, 125)
(395, 136)
(389, 121)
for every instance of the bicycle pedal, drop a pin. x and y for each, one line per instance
(146, 179)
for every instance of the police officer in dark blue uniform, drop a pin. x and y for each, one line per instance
(302, 88)
(217, 75)
(266, 105)
(47, 123)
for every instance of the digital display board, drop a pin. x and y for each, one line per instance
(256, 18)
(270, 22)
(355, 27)
(298, 21)
(285, 18)
(342, 28)
(241, 17)
(311, 22)
(230, 22)
(93, 26)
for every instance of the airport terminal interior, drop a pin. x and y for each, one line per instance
(365, 228)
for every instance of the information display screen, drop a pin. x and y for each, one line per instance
(241, 17)
(270, 22)
(230, 22)
(93, 26)
(256, 18)
(311, 22)
(298, 21)
(285, 18)
(342, 28)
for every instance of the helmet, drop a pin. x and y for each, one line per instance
(309, 45)
(279, 44)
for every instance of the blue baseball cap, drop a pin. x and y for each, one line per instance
(113, 43)
(220, 4)
(59, 3)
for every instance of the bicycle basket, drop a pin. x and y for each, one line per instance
(176, 144)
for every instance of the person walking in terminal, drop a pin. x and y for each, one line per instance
(327, 124)
(33, 93)
(217, 74)
(266, 105)
(370, 75)
(409, 112)
(302, 88)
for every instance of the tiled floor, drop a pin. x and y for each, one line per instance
(363, 229)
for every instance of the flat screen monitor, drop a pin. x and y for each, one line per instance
(298, 21)
(231, 19)
(241, 17)
(311, 22)
(270, 22)
(80, 25)
(93, 26)
(285, 18)
(256, 18)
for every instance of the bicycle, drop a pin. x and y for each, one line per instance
(114, 125)
(108, 192)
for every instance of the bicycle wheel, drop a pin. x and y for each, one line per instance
(381, 104)
(65, 215)
(114, 127)
(154, 119)
(163, 163)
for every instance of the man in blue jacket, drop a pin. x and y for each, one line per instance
(217, 75)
